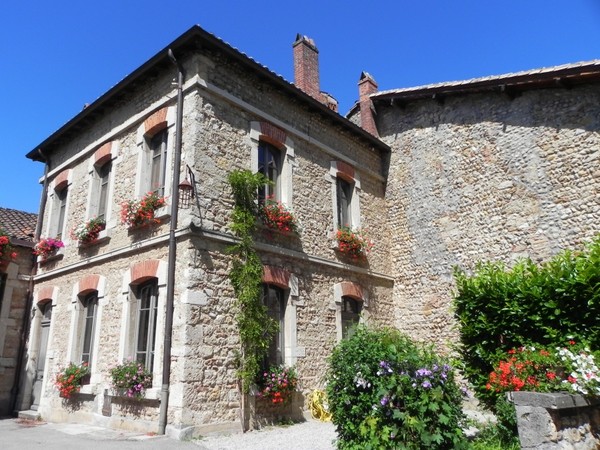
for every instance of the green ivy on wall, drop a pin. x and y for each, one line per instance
(255, 326)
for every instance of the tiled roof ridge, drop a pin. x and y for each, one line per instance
(595, 63)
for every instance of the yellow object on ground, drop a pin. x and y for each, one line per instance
(319, 406)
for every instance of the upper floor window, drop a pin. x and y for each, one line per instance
(344, 202)
(147, 296)
(157, 147)
(60, 211)
(269, 164)
(351, 309)
(103, 178)
(274, 301)
(88, 326)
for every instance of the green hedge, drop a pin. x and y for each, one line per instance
(498, 308)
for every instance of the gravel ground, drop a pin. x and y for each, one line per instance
(309, 435)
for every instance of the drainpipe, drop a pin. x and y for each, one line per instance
(14, 392)
(166, 373)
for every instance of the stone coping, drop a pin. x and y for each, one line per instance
(551, 400)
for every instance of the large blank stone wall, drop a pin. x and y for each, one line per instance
(484, 177)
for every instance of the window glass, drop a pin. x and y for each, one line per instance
(269, 165)
(351, 310)
(158, 159)
(344, 201)
(146, 323)
(273, 299)
(103, 178)
(61, 208)
(90, 306)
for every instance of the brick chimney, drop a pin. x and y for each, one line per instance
(367, 86)
(306, 66)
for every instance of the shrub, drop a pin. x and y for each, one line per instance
(132, 377)
(68, 380)
(386, 392)
(498, 309)
(278, 384)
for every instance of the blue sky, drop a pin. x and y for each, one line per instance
(57, 56)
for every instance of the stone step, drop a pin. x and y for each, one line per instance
(29, 414)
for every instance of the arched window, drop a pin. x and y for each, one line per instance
(269, 164)
(351, 309)
(89, 313)
(147, 300)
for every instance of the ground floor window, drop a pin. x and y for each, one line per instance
(147, 295)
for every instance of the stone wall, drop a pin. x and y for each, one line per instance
(550, 421)
(484, 177)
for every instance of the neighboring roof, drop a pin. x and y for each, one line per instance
(194, 39)
(18, 224)
(512, 84)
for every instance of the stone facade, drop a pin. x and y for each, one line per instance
(485, 177)
(227, 112)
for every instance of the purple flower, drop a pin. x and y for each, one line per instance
(384, 401)
(426, 384)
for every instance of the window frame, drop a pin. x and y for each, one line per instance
(276, 352)
(157, 149)
(148, 355)
(103, 174)
(88, 329)
(269, 160)
(350, 319)
(57, 225)
(340, 180)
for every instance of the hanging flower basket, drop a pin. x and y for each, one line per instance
(277, 217)
(47, 247)
(353, 243)
(138, 213)
(88, 231)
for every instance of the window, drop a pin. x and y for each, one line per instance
(88, 317)
(60, 208)
(269, 164)
(274, 300)
(103, 174)
(158, 160)
(351, 310)
(344, 202)
(147, 295)
(2, 284)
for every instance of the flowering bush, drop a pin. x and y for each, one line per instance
(88, 231)
(47, 246)
(6, 249)
(277, 217)
(68, 380)
(571, 368)
(135, 213)
(386, 392)
(353, 243)
(132, 377)
(278, 384)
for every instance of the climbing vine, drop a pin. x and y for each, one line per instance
(255, 326)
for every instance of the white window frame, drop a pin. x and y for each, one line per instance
(354, 213)
(287, 164)
(144, 163)
(58, 213)
(337, 306)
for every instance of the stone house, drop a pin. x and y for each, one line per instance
(493, 168)
(15, 301)
(108, 298)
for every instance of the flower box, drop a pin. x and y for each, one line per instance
(88, 232)
(140, 213)
(277, 217)
(47, 248)
(353, 243)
